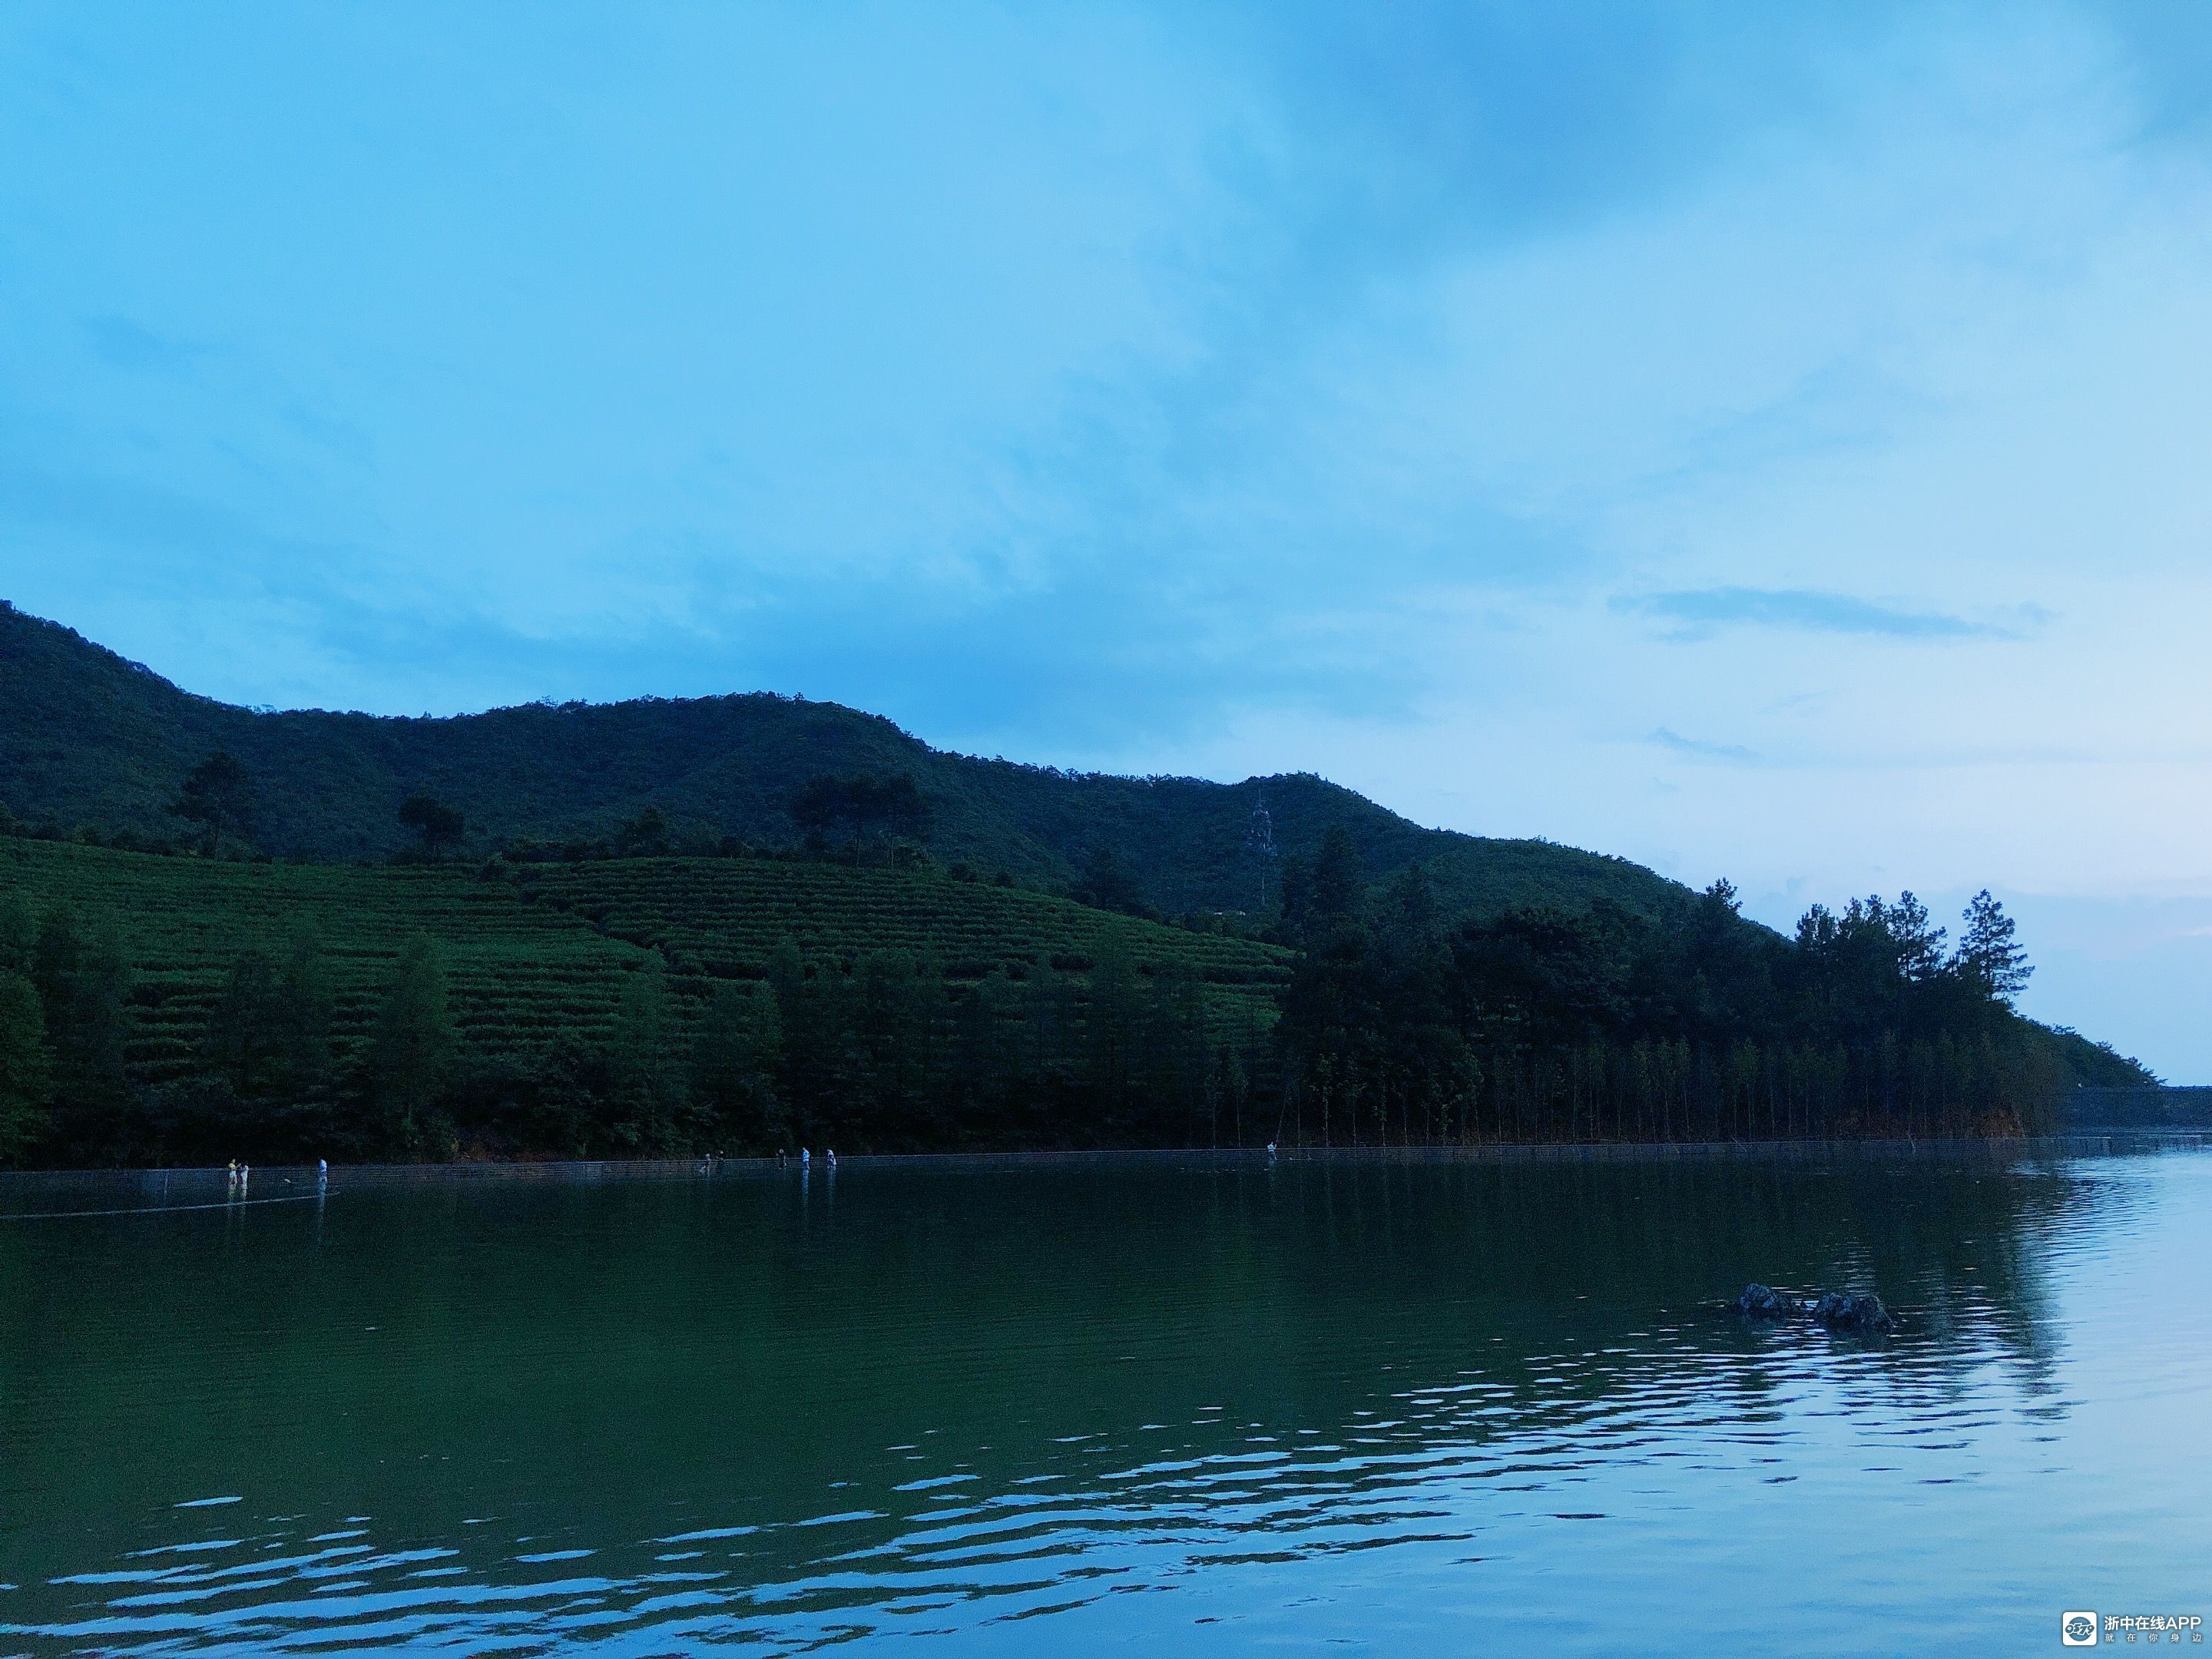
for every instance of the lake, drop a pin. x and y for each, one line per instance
(1200, 1406)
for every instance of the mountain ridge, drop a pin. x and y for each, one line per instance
(88, 737)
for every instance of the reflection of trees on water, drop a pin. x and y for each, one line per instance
(1627, 1259)
(1300, 1357)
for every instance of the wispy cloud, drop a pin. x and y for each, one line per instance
(1696, 613)
(1703, 749)
(123, 344)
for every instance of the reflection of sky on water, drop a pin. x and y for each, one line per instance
(1202, 1408)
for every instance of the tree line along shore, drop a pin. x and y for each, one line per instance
(636, 998)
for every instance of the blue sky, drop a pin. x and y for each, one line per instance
(1762, 442)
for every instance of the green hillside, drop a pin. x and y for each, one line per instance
(819, 932)
(729, 916)
(88, 738)
(542, 953)
(518, 974)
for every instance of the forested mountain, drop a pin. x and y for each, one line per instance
(89, 740)
(755, 923)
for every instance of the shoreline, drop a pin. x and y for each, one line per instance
(267, 1181)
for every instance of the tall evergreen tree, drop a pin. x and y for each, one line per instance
(645, 835)
(83, 980)
(1051, 1004)
(19, 935)
(1175, 1061)
(305, 1006)
(1227, 1093)
(808, 1061)
(1423, 1057)
(642, 1059)
(1110, 1024)
(244, 1043)
(1107, 883)
(218, 796)
(25, 1068)
(1340, 887)
(1331, 1031)
(861, 811)
(1919, 944)
(897, 1001)
(1297, 900)
(982, 1060)
(735, 1051)
(269, 1035)
(439, 826)
(412, 1046)
(1988, 956)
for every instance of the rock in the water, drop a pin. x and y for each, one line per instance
(1840, 1311)
(1762, 1302)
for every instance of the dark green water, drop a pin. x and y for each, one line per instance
(1200, 1408)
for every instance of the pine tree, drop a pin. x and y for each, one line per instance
(439, 826)
(26, 1069)
(641, 1055)
(645, 835)
(1110, 1023)
(18, 936)
(411, 1049)
(243, 1043)
(304, 1005)
(1226, 1092)
(735, 1051)
(218, 796)
(1919, 946)
(83, 982)
(1339, 885)
(1988, 957)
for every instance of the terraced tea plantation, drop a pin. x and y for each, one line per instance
(516, 973)
(544, 951)
(730, 915)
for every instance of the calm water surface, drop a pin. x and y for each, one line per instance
(1195, 1408)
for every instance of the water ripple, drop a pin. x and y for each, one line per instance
(710, 1437)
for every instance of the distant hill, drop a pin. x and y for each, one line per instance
(607, 990)
(90, 738)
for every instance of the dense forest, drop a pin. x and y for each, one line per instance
(177, 1008)
(88, 738)
(871, 960)
(1545, 1025)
